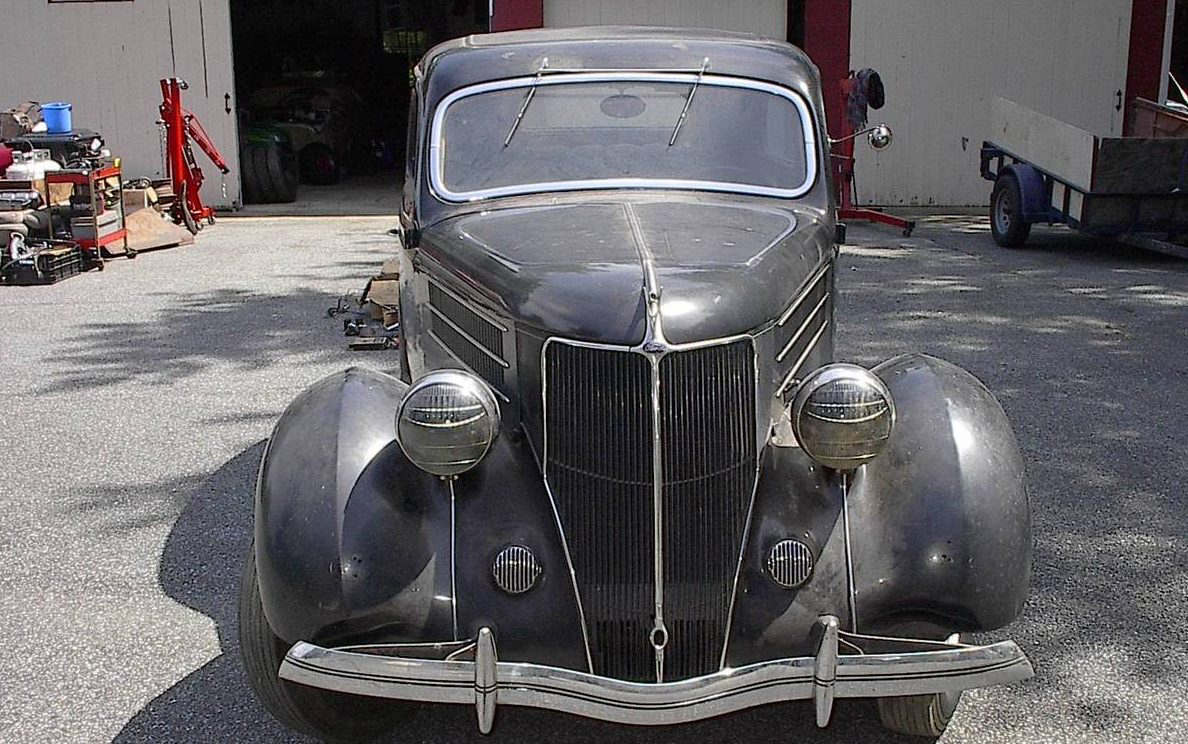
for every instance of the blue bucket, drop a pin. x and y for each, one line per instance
(57, 117)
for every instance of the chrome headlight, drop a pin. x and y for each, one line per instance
(447, 422)
(842, 416)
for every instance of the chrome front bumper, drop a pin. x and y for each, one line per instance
(442, 673)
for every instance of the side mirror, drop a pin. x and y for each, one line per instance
(879, 137)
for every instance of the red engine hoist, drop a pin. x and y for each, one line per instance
(843, 164)
(181, 129)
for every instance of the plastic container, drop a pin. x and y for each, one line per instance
(31, 166)
(58, 117)
(47, 267)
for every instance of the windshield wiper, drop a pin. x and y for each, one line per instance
(685, 110)
(544, 64)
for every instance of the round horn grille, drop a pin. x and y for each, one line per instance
(516, 569)
(790, 563)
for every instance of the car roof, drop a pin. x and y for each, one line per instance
(483, 57)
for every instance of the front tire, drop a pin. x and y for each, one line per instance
(919, 715)
(1007, 224)
(322, 714)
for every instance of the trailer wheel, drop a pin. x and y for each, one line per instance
(1007, 224)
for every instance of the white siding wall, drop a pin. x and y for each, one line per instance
(944, 62)
(107, 58)
(764, 17)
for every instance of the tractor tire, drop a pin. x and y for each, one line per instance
(269, 175)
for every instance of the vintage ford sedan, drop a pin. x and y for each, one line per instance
(623, 476)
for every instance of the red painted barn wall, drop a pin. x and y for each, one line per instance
(509, 15)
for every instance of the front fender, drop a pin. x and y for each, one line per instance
(940, 523)
(356, 544)
(350, 537)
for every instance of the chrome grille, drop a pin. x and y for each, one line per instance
(599, 464)
(516, 569)
(708, 430)
(598, 460)
(790, 563)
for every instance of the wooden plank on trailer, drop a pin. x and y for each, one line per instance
(1139, 165)
(1076, 202)
(1058, 190)
(1058, 148)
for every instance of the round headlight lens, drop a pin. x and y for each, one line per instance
(447, 422)
(842, 416)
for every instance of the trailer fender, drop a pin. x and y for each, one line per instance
(1036, 192)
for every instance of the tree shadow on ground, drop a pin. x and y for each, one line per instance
(1091, 370)
(200, 568)
(236, 329)
(1093, 385)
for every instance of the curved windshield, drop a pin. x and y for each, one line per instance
(590, 131)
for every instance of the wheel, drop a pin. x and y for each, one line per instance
(183, 208)
(281, 167)
(269, 174)
(1007, 224)
(319, 165)
(325, 715)
(919, 715)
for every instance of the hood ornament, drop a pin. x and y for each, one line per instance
(654, 343)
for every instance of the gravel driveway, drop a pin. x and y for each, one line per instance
(136, 402)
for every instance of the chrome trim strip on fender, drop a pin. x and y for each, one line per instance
(474, 342)
(478, 310)
(790, 378)
(453, 556)
(446, 348)
(486, 681)
(803, 292)
(436, 145)
(804, 327)
(851, 591)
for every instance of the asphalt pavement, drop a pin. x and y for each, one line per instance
(134, 405)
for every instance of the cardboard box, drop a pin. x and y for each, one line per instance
(139, 198)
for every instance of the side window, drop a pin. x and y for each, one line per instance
(410, 155)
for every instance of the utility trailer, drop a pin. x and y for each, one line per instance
(1045, 171)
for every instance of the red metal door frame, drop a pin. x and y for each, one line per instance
(827, 43)
(511, 15)
(1144, 68)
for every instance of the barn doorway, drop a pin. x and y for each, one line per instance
(322, 92)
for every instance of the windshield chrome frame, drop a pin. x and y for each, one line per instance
(436, 151)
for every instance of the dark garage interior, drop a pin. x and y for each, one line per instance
(322, 88)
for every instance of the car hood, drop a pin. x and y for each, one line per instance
(578, 270)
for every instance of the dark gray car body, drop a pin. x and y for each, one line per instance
(357, 545)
